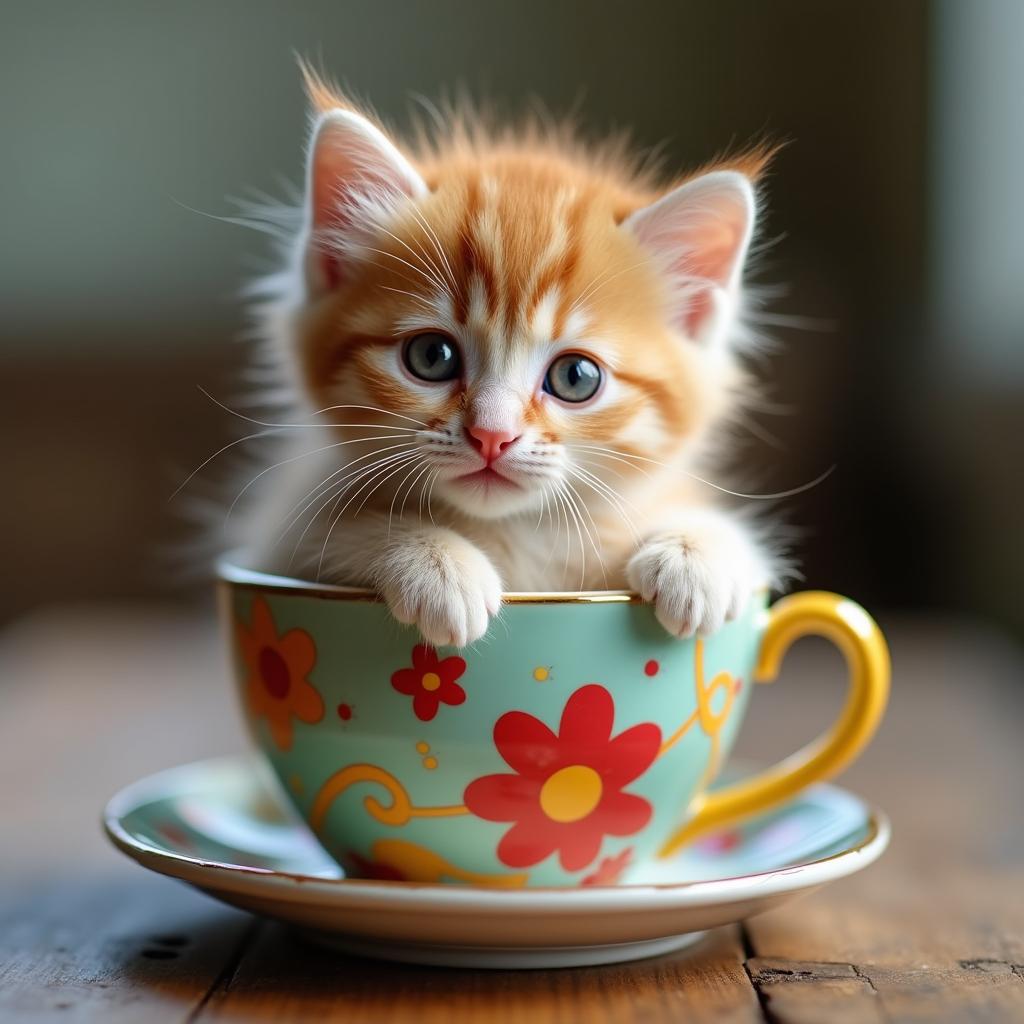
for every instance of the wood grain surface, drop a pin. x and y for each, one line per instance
(93, 698)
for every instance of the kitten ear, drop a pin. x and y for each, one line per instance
(354, 171)
(701, 231)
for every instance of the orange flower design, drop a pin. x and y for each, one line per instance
(277, 687)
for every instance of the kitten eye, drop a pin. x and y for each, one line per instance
(432, 356)
(573, 378)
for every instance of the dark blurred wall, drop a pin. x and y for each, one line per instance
(121, 119)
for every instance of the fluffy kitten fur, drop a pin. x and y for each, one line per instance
(517, 248)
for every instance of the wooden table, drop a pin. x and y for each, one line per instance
(93, 698)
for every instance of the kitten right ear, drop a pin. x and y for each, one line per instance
(701, 232)
(353, 172)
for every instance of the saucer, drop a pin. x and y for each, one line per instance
(220, 826)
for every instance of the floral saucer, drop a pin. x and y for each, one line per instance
(220, 826)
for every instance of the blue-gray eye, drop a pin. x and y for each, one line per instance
(432, 356)
(573, 378)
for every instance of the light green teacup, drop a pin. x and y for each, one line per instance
(573, 743)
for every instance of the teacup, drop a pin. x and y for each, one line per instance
(573, 744)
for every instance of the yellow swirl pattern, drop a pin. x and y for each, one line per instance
(398, 812)
(711, 723)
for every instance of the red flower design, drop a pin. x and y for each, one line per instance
(566, 794)
(430, 682)
(609, 871)
(363, 867)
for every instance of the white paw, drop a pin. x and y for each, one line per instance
(697, 580)
(443, 585)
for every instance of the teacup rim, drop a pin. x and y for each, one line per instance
(233, 574)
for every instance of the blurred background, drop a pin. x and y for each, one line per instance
(897, 209)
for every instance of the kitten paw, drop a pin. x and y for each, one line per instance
(444, 586)
(697, 580)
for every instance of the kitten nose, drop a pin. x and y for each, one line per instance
(490, 443)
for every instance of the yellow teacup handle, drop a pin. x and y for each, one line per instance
(855, 633)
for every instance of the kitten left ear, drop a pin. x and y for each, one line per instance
(701, 232)
(354, 171)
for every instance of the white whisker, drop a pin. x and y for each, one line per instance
(543, 507)
(296, 458)
(209, 459)
(336, 516)
(423, 490)
(325, 485)
(601, 281)
(577, 501)
(422, 273)
(438, 248)
(583, 460)
(598, 484)
(334, 493)
(609, 495)
(430, 494)
(760, 432)
(376, 487)
(611, 453)
(435, 277)
(320, 412)
(410, 281)
(411, 295)
(568, 533)
(424, 469)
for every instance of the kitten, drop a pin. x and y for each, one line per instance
(509, 353)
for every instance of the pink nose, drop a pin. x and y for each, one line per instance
(490, 443)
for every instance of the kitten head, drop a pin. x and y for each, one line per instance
(540, 315)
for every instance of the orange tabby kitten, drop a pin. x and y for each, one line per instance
(509, 353)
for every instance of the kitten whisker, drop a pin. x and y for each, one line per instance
(425, 468)
(577, 500)
(601, 281)
(548, 506)
(724, 490)
(336, 516)
(430, 494)
(759, 431)
(543, 507)
(410, 281)
(438, 248)
(596, 482)
(296, 458)
(373, 472)
(577, 524)
(411, 295)
(568, 533)
(423, 491)
(582, 460)
(335, 492)
(611, 496)
(411, 266)
(320, 412)
(220, 451)
(608, 454)
(325, 485)
(433, 273)
(380, 483)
